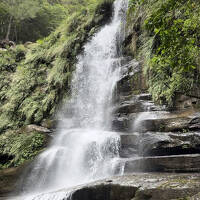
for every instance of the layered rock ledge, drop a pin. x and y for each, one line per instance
(154, 186)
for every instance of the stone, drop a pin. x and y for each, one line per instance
(174, 163)
(129, 145)
(132, 80)
(138, 186)
(49, 124)
(9, 179)
(161, 143)
(128, 107)
(166, 124)
(182, 101)
(121, 123)
(145, 97)
(33, 127)
(194, 124)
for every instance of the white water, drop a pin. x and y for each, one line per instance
(85, 149)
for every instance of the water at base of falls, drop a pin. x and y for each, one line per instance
(85, 149)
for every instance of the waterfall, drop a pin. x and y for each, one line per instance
(85, 148)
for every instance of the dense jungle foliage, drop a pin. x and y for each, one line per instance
(166, 38)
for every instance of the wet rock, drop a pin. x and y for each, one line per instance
(132, 80)
(49, 124)
(166, 124)
(33, 127)
(175, 163)
(145, 97)
(8, 180)
(194, 124)
(129, 145)
(137, 187)
(121, 123)
(128, 107)
(159, 144)
(129, 140)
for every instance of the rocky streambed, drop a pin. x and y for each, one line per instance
(140, 186)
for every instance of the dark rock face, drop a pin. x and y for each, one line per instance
(129, 145)
(8, 180)
(159, 144)
(157, 140)
(167, 124)
(132, 80)
(175, 163)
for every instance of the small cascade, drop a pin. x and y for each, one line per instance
(85, 148)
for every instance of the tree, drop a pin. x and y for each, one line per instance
(19, 10)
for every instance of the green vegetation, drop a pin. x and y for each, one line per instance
(29, 20)
(35, 78)
(166, 39)
(17, 147)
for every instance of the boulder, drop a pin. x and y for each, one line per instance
(175, 163)
(33, 127)
(134, 187)
(161, 143)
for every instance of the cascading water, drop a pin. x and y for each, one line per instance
(85, 148)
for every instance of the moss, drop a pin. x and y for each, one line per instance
(18, 147)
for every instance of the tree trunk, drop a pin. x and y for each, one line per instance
(9, 28)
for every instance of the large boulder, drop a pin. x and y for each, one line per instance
(133, 187)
